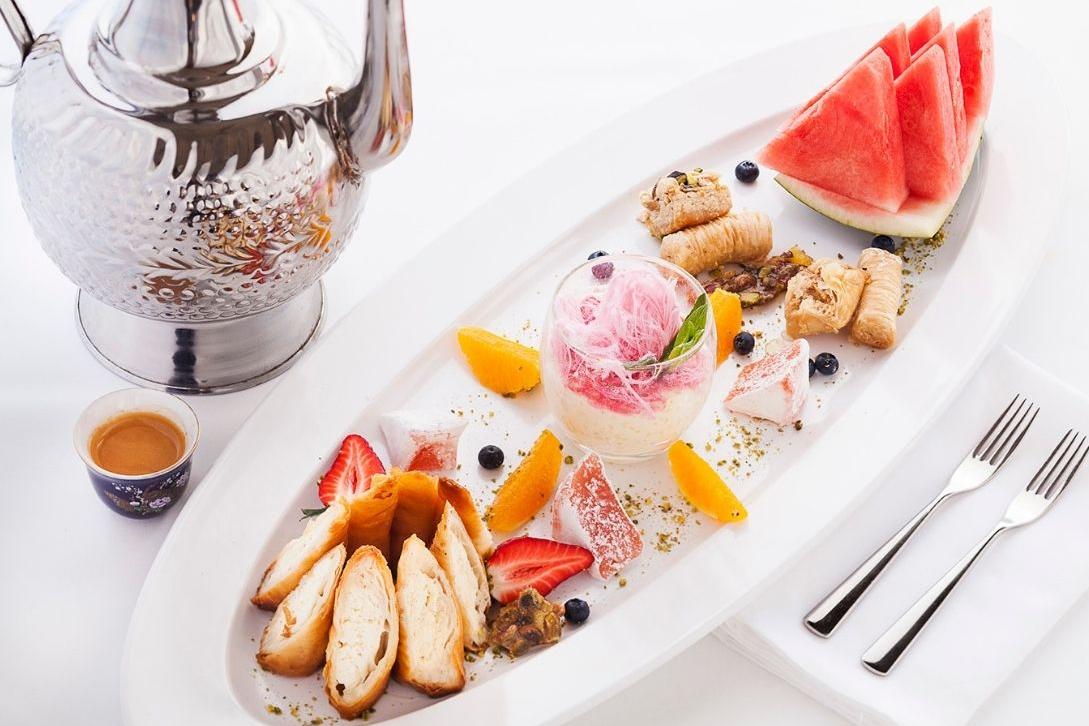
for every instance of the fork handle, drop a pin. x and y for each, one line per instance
(888, 649)
(830, 612)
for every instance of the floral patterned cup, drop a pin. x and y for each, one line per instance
(143, 495)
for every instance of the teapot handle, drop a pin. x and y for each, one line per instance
(24, 38)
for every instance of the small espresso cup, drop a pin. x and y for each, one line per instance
(139, 496)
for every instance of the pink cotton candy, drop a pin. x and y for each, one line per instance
(596, 335)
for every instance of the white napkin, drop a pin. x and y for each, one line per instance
(1005, 606)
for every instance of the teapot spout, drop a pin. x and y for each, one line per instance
(377, 111)
(13, 17)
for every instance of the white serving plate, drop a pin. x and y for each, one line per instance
(189, 654)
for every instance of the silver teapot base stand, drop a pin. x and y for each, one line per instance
(201, 358)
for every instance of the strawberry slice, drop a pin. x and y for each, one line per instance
(351, 471)
(533, 562)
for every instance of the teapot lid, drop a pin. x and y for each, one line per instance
(197, 54)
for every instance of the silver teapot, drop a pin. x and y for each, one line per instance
(195, 166)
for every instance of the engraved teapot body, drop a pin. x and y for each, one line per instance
(195, 166)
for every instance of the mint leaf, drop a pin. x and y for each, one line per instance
(690, 332)
(307, 513)
(645, 362)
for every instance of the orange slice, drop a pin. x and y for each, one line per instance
(499, 364)
(726, 307)
(528, 487)
(702, 486)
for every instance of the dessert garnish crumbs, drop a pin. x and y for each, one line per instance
(273, 709)
(569, 460)
(623, 582)
(916, 254)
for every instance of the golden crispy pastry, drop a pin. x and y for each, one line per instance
(875, 321)
(371, 515)
(684, 200)
(293, 643)
(419, 508)
(822, 298)
(737, 237)
(322, 533)
(430, 653)
(458, 558)
(459, 497)
(365, 634)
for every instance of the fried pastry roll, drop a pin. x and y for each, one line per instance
(875, 321)
(293, 643)
(419, 509)
(683, 200)
(738, 237)
(371, 516)
(822, 298)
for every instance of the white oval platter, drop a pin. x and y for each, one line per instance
(189, 657)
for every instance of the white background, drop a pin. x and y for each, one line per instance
(500, 86)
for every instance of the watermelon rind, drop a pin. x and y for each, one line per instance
(920, 218)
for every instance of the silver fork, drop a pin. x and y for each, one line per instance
(1026, 507)
(978, 467)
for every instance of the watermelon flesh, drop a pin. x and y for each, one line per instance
(947, 41)
(849, 141)
(941, 102)
(975, 46)
(925, 104)
(895, 45)
(924, 29)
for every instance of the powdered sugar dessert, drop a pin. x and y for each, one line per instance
(775, 387)
(627, 355)
(586, 512)
(423, 440)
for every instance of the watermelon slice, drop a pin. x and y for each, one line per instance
(924, 29)
(917, 217)
(833, 156)
(931, 155)
(947, 41)
(975, 45)
(849, 141)
(895, 45)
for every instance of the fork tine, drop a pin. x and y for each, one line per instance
(1032, 485)
(1014, 439)
(1000, 436)
(1063, 479)
(986, 437)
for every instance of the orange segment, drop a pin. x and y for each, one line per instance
(499, 364)
(702, 486)
(528, 487)
(726, 307)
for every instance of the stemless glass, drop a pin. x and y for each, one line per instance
(610, 403)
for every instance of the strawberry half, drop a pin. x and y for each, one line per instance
(533, 562)
(351, 471)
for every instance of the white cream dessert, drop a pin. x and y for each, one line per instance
(606, 363)
(775, 387)
(422, 440)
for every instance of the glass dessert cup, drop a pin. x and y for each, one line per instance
(608, 324)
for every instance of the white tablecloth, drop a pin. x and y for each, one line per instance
(500, 86)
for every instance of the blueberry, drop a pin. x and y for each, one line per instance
(812, 367)
(576, 611)
(883, 242)
(747, 172)
(826, 364)
(490, 457)
(602, 270)
(595, 255)
(744, 342)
